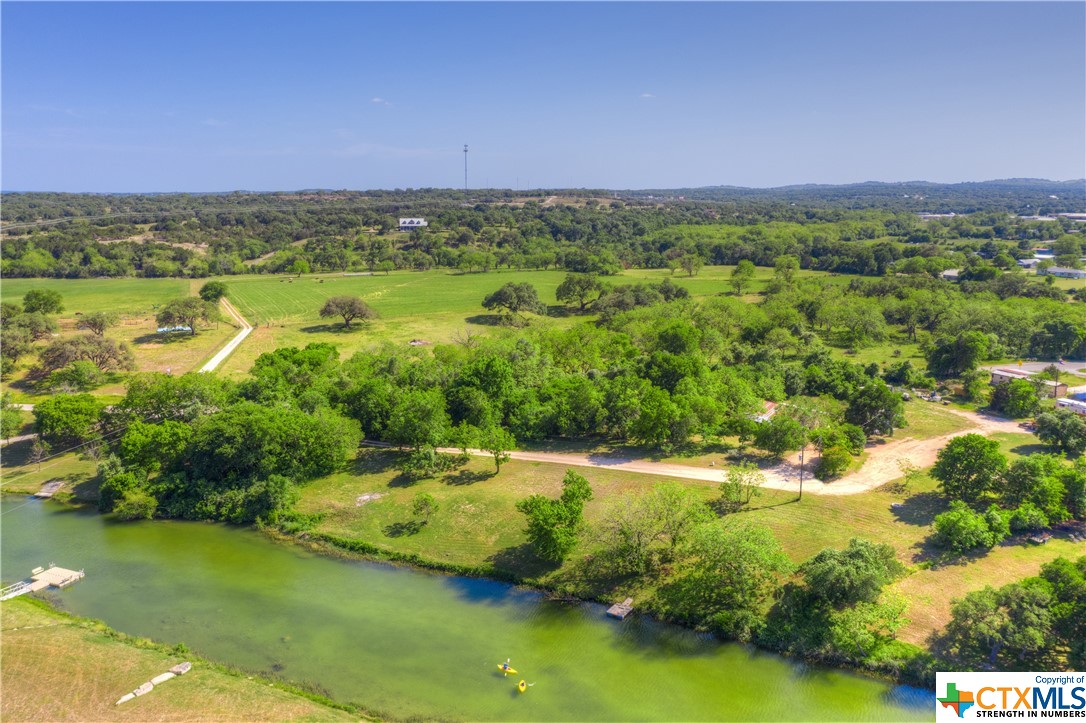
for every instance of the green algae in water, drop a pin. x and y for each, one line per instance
(412, 643)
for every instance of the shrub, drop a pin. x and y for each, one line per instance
(427, 462)
(960, 529)
(1028, 518)
(833, 463)
(1016, 399)
(80, 376)
(114, 489)
(136, 505)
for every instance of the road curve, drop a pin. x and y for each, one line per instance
(246, 329)
(881, 466)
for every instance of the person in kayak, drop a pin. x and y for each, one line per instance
(505, 665)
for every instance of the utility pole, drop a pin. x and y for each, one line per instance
(802, 450)
(465, 168)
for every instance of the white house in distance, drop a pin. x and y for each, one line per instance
(408, 224)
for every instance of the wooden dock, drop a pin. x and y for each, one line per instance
(622, 609)
(41, 578)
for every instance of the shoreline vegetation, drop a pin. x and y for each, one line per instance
(355, 549)
(45, 646)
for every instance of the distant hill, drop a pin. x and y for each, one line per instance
(1017, 195)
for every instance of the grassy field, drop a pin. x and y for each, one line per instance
(478, 524)
(124, 296)
(431, 306)
(61, 668)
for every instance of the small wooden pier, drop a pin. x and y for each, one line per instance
(41, 578)
(622, 609)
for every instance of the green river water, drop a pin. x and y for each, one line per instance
(407, 643)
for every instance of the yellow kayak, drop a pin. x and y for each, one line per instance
(522, 686)
(506, 669)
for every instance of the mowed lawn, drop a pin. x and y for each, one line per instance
(433, 307)
(124, 296)
(59, 668)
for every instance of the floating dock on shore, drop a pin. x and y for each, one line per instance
(41, 578)
(622, 609)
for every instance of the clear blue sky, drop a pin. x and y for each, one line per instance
(255, 96)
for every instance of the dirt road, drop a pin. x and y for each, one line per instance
(231, 345)
(881, 466)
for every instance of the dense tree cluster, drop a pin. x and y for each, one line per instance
(74, 236)
(1037, 623)
(1033, 493)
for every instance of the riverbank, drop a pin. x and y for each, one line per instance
(61, 667)
(907, 665)
(412, 644)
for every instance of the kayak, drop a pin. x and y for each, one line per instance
(505, 670)
(522, 686)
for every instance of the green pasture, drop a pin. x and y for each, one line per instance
(406, 294)
(434, 307)
(124, 296)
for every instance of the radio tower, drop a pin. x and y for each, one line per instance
(465, 168)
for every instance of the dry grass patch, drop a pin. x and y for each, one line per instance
(58, 668)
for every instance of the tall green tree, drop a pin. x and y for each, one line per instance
(185, 312)
(1016, 399)
(876, 409)
(554, 525)
(498, 442)
(859, 630)
(729, 571)
(1010, 628)
(45, 301)
(98, 322)
(347, 308)
(856, 574)
(106, 354)
(212, 291)
(418, 419)
(580, 288)
(969, 466)
(641, 532)
(68, 419)
(11, 419)
(743, 482)
(515, 298)
(953, 356)
(742, 276)
(1063, 430)
(779, 435)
